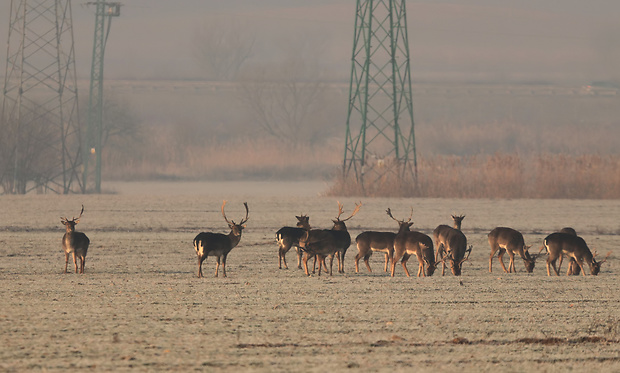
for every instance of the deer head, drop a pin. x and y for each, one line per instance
(303, 221)
(339, 223)
(458, 219)
(529, 260)
(234, 227)
(595, 267)
(402, 224)
(70, 224)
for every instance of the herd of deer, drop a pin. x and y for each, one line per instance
(320, 244)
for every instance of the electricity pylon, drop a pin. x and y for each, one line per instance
(104, 11)
(40, 127)
(380, 136)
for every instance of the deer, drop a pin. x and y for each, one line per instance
(370, 241)
(440, 235)
(328, 242)
(573, 268)
(508, 240)
(559, 244)
(219, 244)
(288, 237)
(75, 243)
(407, 243)
(455, 250)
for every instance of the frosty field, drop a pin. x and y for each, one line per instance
(140, 305)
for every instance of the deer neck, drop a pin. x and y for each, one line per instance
(234, 239)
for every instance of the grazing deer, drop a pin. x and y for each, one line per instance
(573, 268)
(327, 242)
(288, 237)
(218, 244)
(75, 243)
(508, 240)
(370, 241)
(455, 250)
(559, 244)
(440, 235)
(407, 243)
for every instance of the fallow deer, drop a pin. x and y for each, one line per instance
(218, 244)
(326, 242)
(75, 243)
(573, 268)
(370, 241)
(440, 235)
(508, 240)
(288, 237)
(407, 243)
(455, 250)
(559, 244)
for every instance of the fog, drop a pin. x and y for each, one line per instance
(550, 40)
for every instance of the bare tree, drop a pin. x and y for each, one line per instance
(221, 48)
(283, 98)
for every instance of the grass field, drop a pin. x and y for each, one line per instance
(140, 305)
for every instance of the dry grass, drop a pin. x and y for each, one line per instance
(501, 176)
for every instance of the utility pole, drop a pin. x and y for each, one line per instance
(39, 117)
(380, 139)
(104, 11)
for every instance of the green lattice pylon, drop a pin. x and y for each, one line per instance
(380, 129)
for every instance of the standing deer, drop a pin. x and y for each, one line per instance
(559, 244)
(327, 242)
(407, 243)
(440, 235)
(508, 240)
(288, 237)
(75, 243)
(218, 244)
(573, 268)
(370, 241)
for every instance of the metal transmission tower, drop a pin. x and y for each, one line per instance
(104, 11)
(40, 137)
(380, 140)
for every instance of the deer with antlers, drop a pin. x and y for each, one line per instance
(219, 244)
(288, 237)
(407, 243)
(559, 244)
(441, 234)
(328, 242)
(371, 241)
(75, 243)
(508, 240)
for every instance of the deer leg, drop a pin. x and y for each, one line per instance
(299, 254)
(331, 263)
(500, 256)
(367, 262)
(420, 265)
(560, 264)
(66, 261)
(493, 251)
(282, 258)
(580, 263)
(82, 264)
(200, 266)
(555, 269)
(305, 261)
(75, 262)
(404, 263)
(314, 265)
(224, 265)
(395, 259)
(387, 260)
(217, 265)
(511, 263)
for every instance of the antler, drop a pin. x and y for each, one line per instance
(389, 212)
(247, 212)
(78, 218)
(224, 214)
(357, 209)
(468, 253)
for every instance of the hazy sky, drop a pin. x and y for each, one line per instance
(526, 39)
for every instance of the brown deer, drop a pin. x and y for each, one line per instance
(455, 250)
(573, 268)
(327, 242)
(75, 243)
(440, 235)
(288, 237)
(508, 240)
(559, 244)
(370, 241)
(407, 243)
(218, 244)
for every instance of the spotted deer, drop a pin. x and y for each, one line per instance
(407, 243)
(440, 235)
(508, 240)
(219, 244)
(371, 241)
(559, 244)
(328, 242)
(75, 243)
(288, 237)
